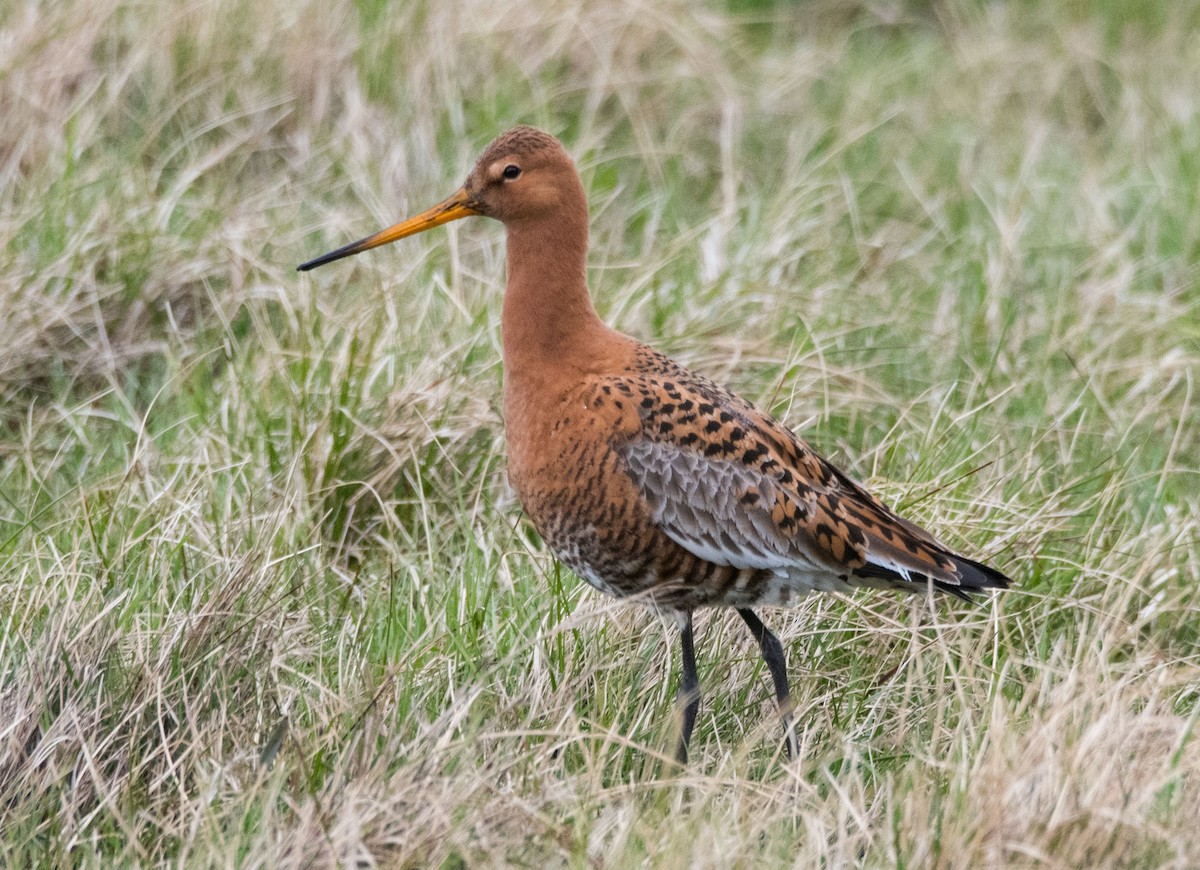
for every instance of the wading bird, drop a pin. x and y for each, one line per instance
(650, 481)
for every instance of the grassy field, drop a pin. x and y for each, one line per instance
(265, 596)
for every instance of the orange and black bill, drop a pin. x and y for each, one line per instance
(457, 206)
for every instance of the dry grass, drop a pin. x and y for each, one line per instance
(265, 598)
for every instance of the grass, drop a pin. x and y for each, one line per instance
(265, 598)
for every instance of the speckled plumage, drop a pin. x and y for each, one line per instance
(652, 482)
(688, 496)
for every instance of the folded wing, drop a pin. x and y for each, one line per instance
(734, 487)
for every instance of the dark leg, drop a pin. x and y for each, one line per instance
(689, 690)
(772, 653)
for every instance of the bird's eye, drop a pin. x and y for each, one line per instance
(511, 171)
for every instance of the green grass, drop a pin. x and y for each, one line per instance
(265, 597)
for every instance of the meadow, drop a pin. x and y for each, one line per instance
(266, 599)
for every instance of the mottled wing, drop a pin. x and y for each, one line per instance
(729, 514)
(735, 487)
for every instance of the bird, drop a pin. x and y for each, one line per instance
(652, 482)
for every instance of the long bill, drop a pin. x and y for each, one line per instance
(457, 206)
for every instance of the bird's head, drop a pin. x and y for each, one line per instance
(523, 175)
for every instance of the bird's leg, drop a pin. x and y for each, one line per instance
(689, 688)
(772, 653)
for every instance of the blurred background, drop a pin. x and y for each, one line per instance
(265, 597)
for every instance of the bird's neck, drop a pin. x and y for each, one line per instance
(548, 322)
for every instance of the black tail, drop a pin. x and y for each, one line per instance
(976, 575)
(972, 577)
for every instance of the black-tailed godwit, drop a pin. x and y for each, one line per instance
(650, 481)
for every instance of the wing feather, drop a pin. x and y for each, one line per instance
(735, 487)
